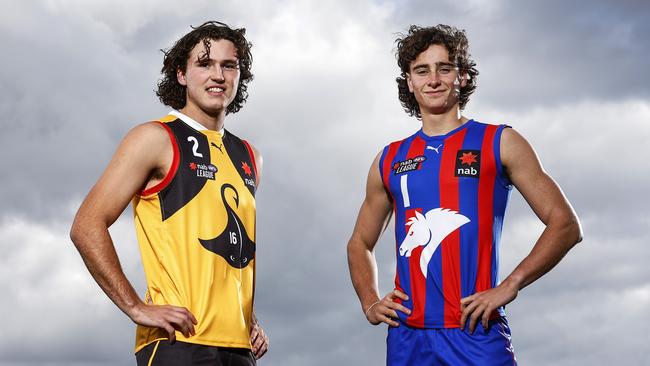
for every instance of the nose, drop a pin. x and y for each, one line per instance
(434, 79)
(217, 73)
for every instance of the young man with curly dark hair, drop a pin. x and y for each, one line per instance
(192, 186)
(448, 186)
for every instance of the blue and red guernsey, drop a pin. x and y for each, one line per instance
(449, 197)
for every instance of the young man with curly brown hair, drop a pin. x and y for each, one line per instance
(192, 186)
(448, 186)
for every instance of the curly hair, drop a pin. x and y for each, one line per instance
(418, 40)
(173, 94)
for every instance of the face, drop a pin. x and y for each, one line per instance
(211, 81)
(434, 80)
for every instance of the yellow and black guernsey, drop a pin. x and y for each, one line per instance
(196, 231)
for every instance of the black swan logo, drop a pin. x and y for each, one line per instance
(233, 244)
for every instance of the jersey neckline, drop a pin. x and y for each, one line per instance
(442, 137)
(194, 124)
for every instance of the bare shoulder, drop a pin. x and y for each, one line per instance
(375, 185)
(148, 133)
(517, 152)
(375, 161)
(149, 141)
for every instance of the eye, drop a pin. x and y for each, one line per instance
(230, 66)
(422, 72)
(445, 70)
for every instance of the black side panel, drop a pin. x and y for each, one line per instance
(194, 151)
(241, 159)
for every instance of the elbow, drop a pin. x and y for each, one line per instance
(76, 233)
(578, 233)
(567, 227)
(81, 231)
(573, 229)
(357, 248)
(350, 249)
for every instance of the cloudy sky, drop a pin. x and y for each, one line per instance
(77, 75)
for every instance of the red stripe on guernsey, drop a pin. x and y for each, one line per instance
(450, 246)
(172, 169)
(385, 170)
(250, 152)
(485, 211)
(418, 281)
(416, 149)
(388, 161)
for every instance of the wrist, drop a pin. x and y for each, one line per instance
(370, 307)
(514, 282)
(134, 310)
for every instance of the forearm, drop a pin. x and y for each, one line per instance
(363, 272)
(553, 244)
(95, 245)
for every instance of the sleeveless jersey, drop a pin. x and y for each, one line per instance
(449, 195)
(196, 232)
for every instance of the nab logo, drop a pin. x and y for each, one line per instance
(468, 163)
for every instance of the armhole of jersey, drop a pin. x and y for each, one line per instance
(501, 175)
(172, 169)
(250, 152)
(381, 166)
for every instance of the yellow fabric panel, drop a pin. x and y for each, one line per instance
(181, 272)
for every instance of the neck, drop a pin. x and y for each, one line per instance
(435, 124)
(210, 121)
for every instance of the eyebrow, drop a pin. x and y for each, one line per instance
(438, 64)
(211, 60)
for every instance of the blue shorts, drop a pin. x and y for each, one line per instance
(451, 346)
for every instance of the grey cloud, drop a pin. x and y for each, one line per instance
(319, 113)
(548, 53)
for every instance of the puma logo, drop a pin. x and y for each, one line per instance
(218, 147)
(434, 148)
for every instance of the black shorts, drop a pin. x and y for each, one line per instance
(161, 353)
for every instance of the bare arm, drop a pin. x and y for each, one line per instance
(548, 202)
(137, 163)
(372, 219)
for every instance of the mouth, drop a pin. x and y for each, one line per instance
(434, 93)
(215, 90)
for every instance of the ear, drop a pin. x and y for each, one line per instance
(463, 79)
(180, 76)
(419, 215)
(409, 82)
